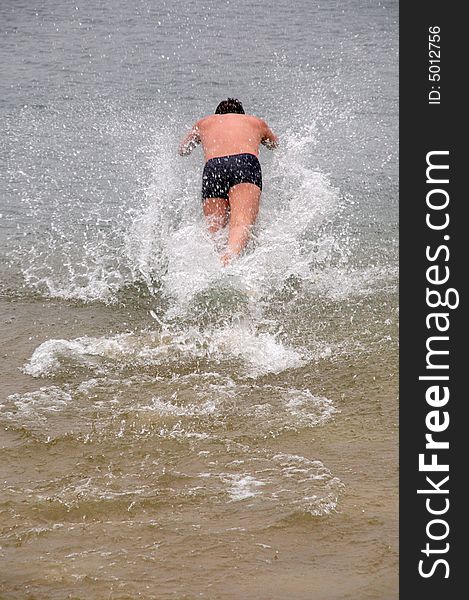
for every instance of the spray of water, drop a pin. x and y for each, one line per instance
(151, 240)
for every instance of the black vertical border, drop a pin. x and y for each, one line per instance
(423, 128)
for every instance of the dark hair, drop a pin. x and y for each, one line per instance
(232, 105)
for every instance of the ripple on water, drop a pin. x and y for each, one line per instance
(142, 406)
(214, 480)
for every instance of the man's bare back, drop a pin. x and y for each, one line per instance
(223, 135)
(232, 179)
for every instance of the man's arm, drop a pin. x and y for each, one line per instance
(189, 141)
(268, 139)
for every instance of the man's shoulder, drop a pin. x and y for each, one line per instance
(204, 121)
(252, 117)
(215, 119)
(257, 120)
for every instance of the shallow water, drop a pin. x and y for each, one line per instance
(169, 428)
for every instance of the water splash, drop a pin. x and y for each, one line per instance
(92, 244)
(260, 353)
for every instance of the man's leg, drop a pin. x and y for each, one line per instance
(216, 211)
(244, 206)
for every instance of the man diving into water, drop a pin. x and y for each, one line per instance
(232, 177)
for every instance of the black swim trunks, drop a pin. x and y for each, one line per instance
(223, 172)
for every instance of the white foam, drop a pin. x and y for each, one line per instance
(292, 483)
(37, 405)
(261, 352)
(285, 239)
(52, 355)
(165, 407)
(42, 412)
(243, 486)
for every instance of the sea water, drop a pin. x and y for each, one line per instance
(171, 428)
